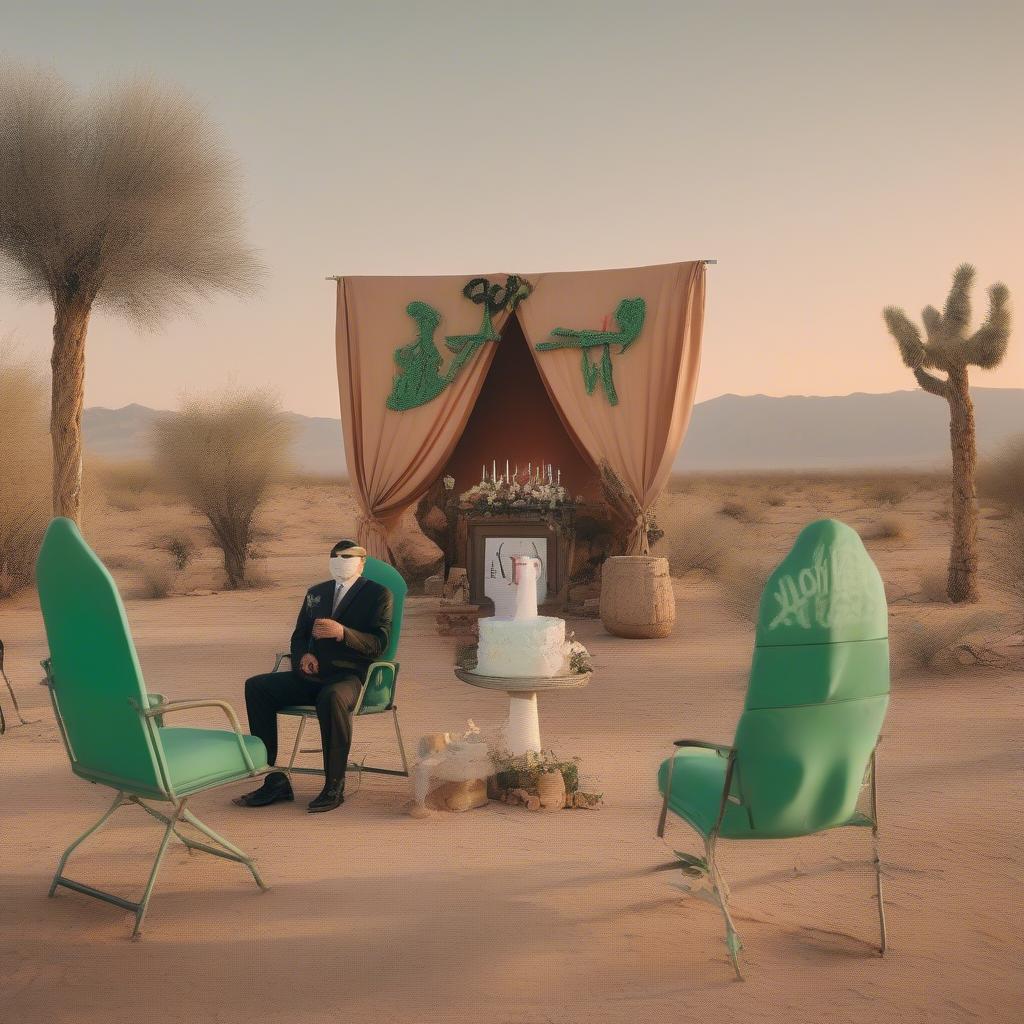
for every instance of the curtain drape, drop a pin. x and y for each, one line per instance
(653, 380)
(631, 422)
(394, 456)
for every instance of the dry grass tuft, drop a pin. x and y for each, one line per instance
(24, 470)
(890, 493)
(741, 512)
(891, 527)
(157, 580)
(939, 642)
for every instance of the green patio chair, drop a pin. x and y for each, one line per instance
(378, 693)
(805, 745)
(113, 730)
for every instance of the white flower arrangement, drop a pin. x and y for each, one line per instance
(505, 492)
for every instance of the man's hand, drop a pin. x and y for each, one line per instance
(308, 665)
(328, 628)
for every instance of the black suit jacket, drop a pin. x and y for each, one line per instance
(365, 611)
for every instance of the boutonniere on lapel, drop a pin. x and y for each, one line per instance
(312, 600)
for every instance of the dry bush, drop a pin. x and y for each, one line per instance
(741, 512)
(694, 543)
(182, 550)
(939, 642)
(222, 453)
(742, 583)
(888, 528)
(24, 470)
(888, 493)
(775, 499)
(1001, 479)
(157, 580)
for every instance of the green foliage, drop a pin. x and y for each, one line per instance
(948, 345)
(524, 771)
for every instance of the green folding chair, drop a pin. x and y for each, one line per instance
(113, 730)
(805, 745)
(377, 695)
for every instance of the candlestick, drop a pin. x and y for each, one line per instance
(483, 473)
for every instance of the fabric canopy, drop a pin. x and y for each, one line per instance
(618, 351)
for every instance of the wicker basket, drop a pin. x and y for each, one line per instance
(637, 600)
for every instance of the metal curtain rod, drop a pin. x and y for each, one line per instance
(338, 277)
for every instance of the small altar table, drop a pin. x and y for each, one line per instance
(523, 729)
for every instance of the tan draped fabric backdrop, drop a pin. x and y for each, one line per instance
(393, 457)
(655, 378)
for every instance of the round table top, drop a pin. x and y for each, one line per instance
(524, 684)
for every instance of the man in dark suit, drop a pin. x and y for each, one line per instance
(343, 626)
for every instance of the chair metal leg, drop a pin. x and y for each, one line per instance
(401, 745)
(295, 748)
(877, 858)
(143, 905)
(721, 892)
(232, 851)
(58, 878)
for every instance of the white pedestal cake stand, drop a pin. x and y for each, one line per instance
(523, 728)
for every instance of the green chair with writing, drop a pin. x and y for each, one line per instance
(377, 696)
(113, 730)
(805, 745)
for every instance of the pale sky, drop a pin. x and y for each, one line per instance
(834, 157)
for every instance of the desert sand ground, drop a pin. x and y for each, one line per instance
(500, 915)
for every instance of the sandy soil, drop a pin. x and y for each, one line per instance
(500, 915)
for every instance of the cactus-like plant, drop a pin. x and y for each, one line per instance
(950, 349)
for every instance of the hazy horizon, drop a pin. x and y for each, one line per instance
(834, 158)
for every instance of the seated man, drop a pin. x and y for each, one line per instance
(343, 626)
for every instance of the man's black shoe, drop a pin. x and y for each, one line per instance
(331, 796)
(275, 787)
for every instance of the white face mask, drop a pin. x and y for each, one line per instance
(345, 569)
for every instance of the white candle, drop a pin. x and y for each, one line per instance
(494, 470)
(559, 478)
(483, 473)
(507, 477)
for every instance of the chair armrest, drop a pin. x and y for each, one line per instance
(373, 667)
(188, 705)
(281, 657)
(721, 748)
(155, 701)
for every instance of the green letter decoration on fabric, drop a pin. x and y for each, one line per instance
(629, 315)
(419, 379)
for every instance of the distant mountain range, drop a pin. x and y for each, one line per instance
(732, 432)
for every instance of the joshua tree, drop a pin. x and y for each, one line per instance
(123, 199)
(950, 349)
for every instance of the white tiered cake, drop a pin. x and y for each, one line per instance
(527, 645)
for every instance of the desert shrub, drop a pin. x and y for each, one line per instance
(132, 477)
(742, 584)
(741, 512)
(888, 493)
(775, 499)
(182, 550)
(1001, 479)
(888, 528)
(157, 580)
(694, 543)
(939, 642)
(221, 454)
(24, 470)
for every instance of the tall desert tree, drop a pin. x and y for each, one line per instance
(121, 199)
(951, 349)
